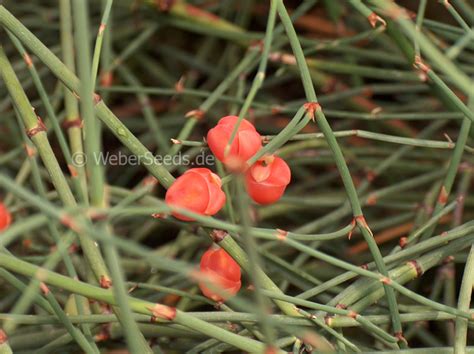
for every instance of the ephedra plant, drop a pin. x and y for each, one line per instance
(236, 176)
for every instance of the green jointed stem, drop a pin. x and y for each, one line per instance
(73, 84)
(228, 243)
(390, 204)
(39, 138)
(463, 304)
(52, 118)
(85, 90)
(467, 283)
(135, 340)
(99, 40)
(260, 76)
(70, 101)
(340, 162)
(442, 63)
(24, 301)
(250, 247)
(139, 306)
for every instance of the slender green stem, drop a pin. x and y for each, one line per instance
(340, 162)
(137, 305)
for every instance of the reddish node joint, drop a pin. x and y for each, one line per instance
(149, 181)
(162, 312)
(420, 64)
(446, 4)
(102, 28)
(69, 222)
(386, 280)
(218, 305)
(283, 58)
(164, 5)
(373, 18)
(35, 130)
(281, 234)
(73, 123)
(30, 151)
(448, 259)
(72, 171)
(417, 267)
(105, 282)
(105, 308)
(311, 108)
(360, 220)
(257, 44)
(179, 85)
(96, 215)
(96, 98)
(103, 335)
(341, 306)
(328, 320)
(196, 114)
(400, 337)
(73, 249)
(443, 196)
(232, 327)
(159, 215)
(371, 175)
(371, 199)
(27, 243)
(403, 242)
(28, 61)
(218, 235)
(271, 350)
(365, 266)
(106, 79)
(196, 12)
(176, 141)
(353, 225)
(352, 314)
(44, 289)
(3, 337)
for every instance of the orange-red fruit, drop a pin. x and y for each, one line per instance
(5, 217)
(222, 272)
(197, 190)
(246, 143)
(267, 179)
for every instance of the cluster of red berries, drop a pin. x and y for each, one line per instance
(199, 190)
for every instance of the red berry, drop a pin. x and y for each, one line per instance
(267, 179)
(222, 272)
(246, 143)
(5, 217)
(198, 190)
